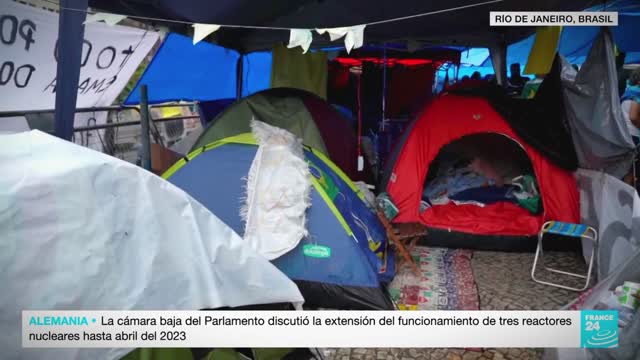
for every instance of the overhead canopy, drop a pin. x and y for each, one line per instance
(399, 55)
(468, 26)
(575, 41)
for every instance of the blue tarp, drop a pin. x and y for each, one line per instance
(256, 72)
(183, 71)
(575, 42)
(626, 33)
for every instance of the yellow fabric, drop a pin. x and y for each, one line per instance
(543, 50)
(172, 111)
(291, 68)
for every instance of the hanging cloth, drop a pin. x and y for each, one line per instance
(543, 51)
(278, 193)
(291, 68)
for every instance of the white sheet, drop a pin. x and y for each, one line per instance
(80, 230)
(278, 193)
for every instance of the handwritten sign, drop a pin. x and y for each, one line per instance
(28, 59)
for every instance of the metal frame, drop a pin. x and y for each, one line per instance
(539, 254)
(94, 109)
(108, 108)
(153, 129)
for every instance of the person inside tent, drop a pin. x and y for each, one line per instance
(516, 80)
(630, 102)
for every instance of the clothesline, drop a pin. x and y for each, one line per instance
(298, 37)
(255, 27)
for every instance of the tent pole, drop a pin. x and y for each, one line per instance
(144, 118)
(384, 88)
(71, 34)
(239, 77)
(498, 53)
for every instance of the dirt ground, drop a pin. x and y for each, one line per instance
(504, 283)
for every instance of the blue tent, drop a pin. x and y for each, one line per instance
(350, 278)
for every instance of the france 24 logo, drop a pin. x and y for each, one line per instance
(599, 329)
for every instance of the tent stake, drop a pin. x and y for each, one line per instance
(144, 119)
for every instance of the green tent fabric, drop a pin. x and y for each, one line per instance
(289, 113)
(293, 69)
(306, 115)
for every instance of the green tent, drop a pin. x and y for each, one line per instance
(277, 108)
(310, 118)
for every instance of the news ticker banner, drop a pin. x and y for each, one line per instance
(265, 329)
(553, 18)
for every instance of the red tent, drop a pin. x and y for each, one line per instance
(451, 117)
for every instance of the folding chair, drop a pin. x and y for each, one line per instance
(571, 230)
(401, 233)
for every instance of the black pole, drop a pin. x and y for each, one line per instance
(69, 51)
(239, 77)
(144, 119)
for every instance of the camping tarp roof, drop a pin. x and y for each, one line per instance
(575, 41)
(182, 71)
(469, 26)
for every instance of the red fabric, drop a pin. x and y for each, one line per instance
(447, 119)
(502, 218)
(380, 61)
(339, 138)
(408, 88)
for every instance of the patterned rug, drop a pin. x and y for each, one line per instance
(446, 281)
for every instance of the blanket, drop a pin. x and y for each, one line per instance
(278, 193)
(446, 281)
(466, 186)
